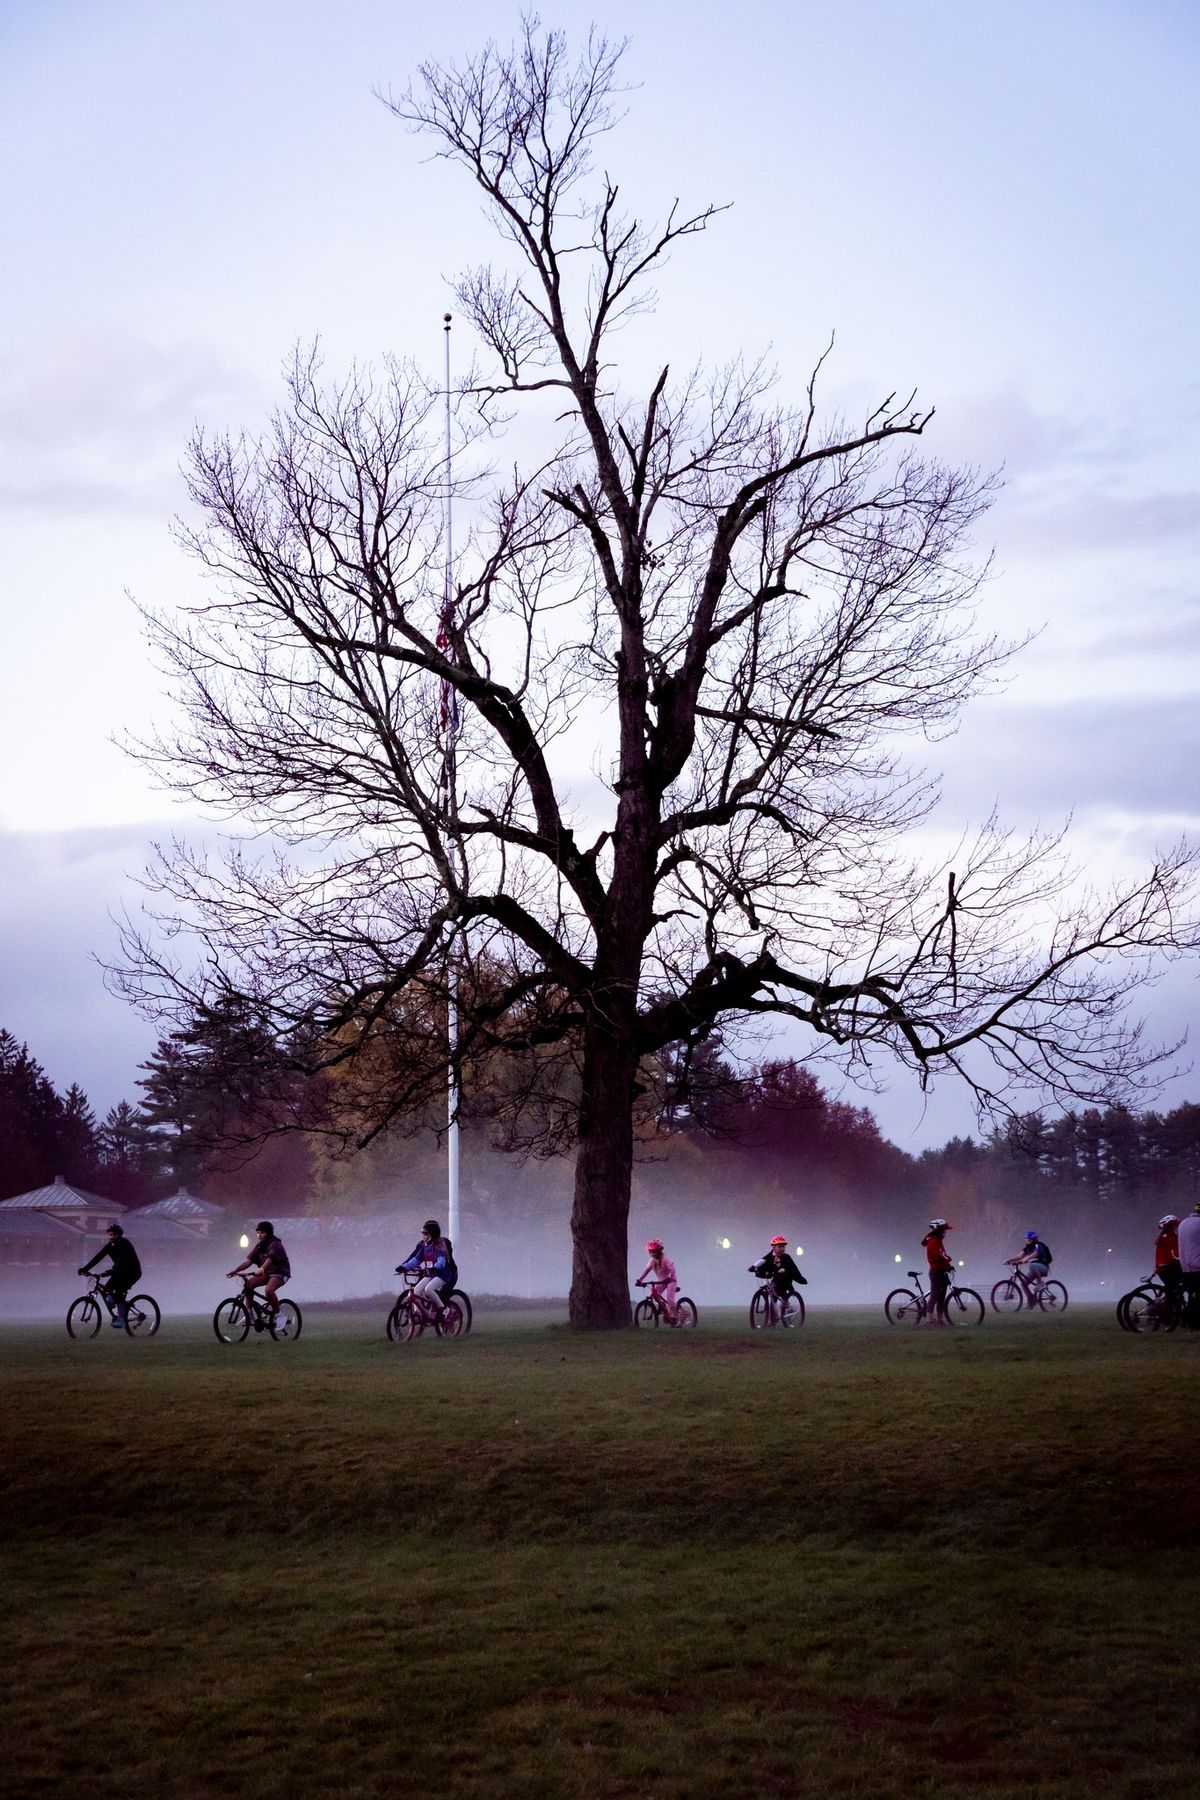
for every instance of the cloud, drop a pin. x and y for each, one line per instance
(96, 420)
(57, 892)
(1136, 755)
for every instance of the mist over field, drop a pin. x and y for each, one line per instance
(514, 1240)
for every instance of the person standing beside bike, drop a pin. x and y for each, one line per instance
(941, 1266)
(124, 1271)
(434, 1256)
(1166, 1256)
(780, 1270)
(269, 1260)
(1189, 1265)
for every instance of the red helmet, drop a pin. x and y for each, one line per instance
(653, 1245)
(778, 1240)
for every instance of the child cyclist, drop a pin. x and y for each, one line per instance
(659, 1276)
(434, 1257)
(778, 1268)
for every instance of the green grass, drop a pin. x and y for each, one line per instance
(844, 1561)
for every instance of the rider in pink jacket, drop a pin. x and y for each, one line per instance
(659, 1276)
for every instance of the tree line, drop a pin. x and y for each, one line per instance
(224, 1112)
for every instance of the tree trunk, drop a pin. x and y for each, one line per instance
(603, 1169)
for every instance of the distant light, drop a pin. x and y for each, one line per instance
(244, 1243)
(1109, 1252)
(961, 1263)
(799, 1249)
(897, 1259)
(723, 1244)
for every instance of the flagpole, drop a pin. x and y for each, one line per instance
(452, 1085)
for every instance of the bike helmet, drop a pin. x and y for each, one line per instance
(1031, 1236)
(653, 1245)
(265, 1225)
(1169, 1219)
(940, 1225)
(432, 1228)
(115, 1230)
(778, 1240)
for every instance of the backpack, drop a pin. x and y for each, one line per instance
(1044, 1253)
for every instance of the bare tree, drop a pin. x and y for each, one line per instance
(753, 603)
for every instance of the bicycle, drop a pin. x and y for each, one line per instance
(903, 1307)
(85, 1315)
(1018, 1290)
(236, 1317)
(413, 1312)
(651, 1312)
(768, 1309)
(1151, 1307)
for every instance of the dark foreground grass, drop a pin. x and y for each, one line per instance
(530, 1563)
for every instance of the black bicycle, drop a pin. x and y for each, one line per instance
(1152, 1307)
(86, 1315)
(903, 1307)
(237, 1317)
(1019, 1289)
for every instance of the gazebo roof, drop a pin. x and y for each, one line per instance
(60, 1196)
(28, 1223)
(181, 1205)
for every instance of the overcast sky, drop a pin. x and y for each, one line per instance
(994, 203)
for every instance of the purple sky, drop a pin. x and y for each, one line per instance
(994, 203)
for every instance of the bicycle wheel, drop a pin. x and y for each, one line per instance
(450, 1320)
(1123, 1312)
(287, 1323)
(645, 1315)
(794, 1316)
(964, 1307)
(1144, 1309)
(685, 1314)
(1053, 1297)
(903, 1307)
(397, 1323)
(463, 1302)
(142, 1317)
(760, 1311)
(83, 1317)
(414, 1320)
(231, 1321)
(1007, 1296)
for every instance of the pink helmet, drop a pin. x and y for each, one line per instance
(653, 1245)
(778, 1240)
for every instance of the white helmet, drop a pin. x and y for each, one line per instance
(1168, 1219)
(938, 1225)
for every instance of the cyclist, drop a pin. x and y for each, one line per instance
(778, 1268)
(1035, 1259)
(941, 1264)
(1166, 1255)
(123, 1271)
(269, 1260)
(659, 1276)
(434, 1256)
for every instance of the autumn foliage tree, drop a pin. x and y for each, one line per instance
(746, 604)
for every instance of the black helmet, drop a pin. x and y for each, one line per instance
(432, 1228)
(265, 1225)
(115, 1230)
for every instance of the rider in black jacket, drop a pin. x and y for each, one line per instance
(124, 1271)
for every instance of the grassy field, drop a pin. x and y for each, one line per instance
(841, 1561)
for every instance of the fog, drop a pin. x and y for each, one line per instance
(514, 1241)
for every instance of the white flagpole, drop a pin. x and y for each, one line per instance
(451, 806)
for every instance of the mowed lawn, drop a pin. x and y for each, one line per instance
(848, 1560)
